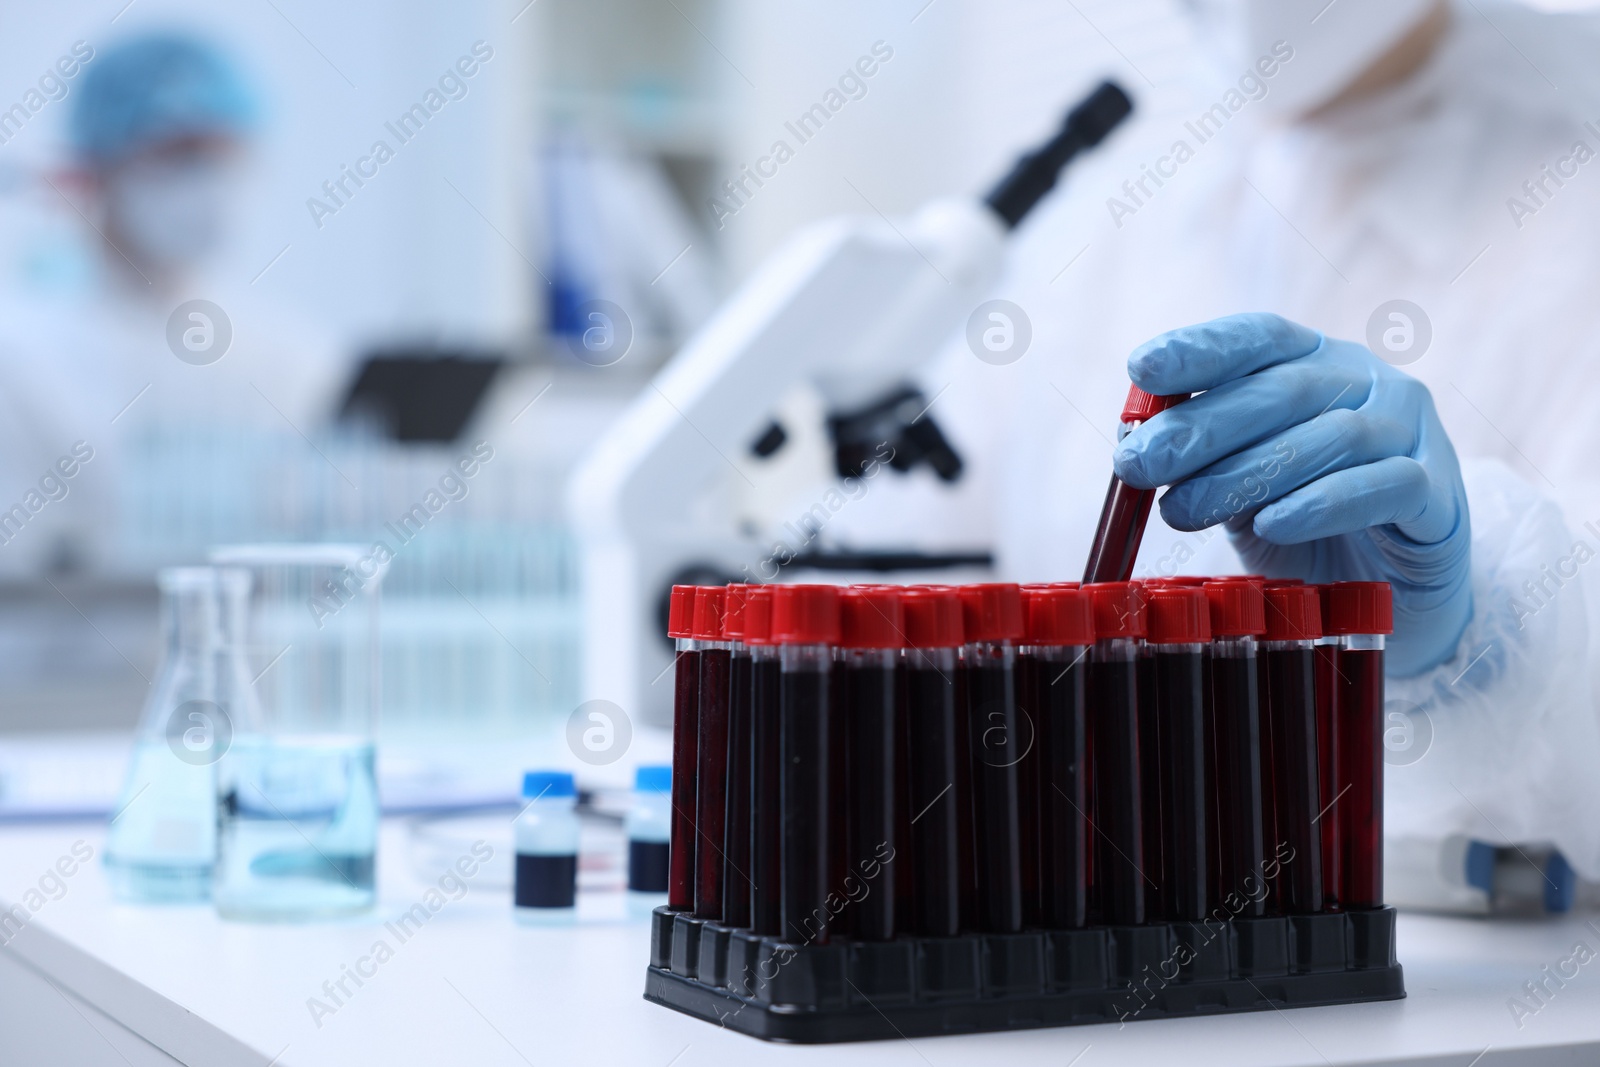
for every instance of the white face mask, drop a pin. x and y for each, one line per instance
(1346, 38)
(171, 211)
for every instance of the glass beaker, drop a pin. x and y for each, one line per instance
(162, 840)
(298, 790)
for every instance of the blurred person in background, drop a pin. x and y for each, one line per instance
(155, 338)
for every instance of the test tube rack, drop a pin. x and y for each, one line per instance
(921, 987)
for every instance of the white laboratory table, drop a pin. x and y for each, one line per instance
(87, 982)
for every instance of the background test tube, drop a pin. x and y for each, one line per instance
(937, 794)
(685, 746)
(736, 881)
(1362, 614)
(1237, 617)
(998, 739)
(1060, 630)
(712, 740)
(871, 631)
(1179, 629)
(1289, 756)
(1119, 623)
(1325, 664)
(805, 624)
(766, 824)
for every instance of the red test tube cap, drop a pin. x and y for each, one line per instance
(992, 611)
(805, 615)
(1119, 609)
(710, 605)
(1238, 607)
(871, 616)
(734, 601)
(1294, 613)
(1359, 608)
(1057, 615)
(932, 616)
(1140, 405)
(757, 615)
(680, 612)
(1178, 615)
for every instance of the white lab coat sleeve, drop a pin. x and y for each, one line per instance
(1502, 742)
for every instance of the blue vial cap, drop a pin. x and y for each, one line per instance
(1480, 866)
(1560, 884)
(653, 778)
(548, 784)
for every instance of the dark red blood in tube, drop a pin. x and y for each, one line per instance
(766, 826)
(736, 883)
(871, 633)
(1179, 627)
(1237, 616)
(1289, 712)
(1361, 614)
(685, 748)
(938, 798)
(1119, 623)
(712, 769)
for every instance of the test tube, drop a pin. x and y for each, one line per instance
(685, 746)
(938, 796)
(805, 625)
(1326, 667)
(1289, 760)
(1362, 614)
(712, 740)
(1126, 509)
(998, 739)
(871, 634)
(1060, 631)
(1119, 624)
(1237, 618)
(736, 878)
(766, 807)
(1179, 630)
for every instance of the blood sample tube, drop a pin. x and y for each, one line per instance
(716, 654)
(1060, 631)
(1179, 630)
(685, 747)
(938, 796)
(805, 625)
(736, 883)
(1325, 652)
(998, 739)
(871, 634)
(1237, 618)
(1119, 624)
(1362, 614)
(766, 825)
(1126, 509)
(1289, 760)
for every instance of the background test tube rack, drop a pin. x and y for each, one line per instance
(767, 935)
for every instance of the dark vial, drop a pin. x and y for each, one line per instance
(1118, 796)
(737, 886)
(710, 811)
(685, 754)
(1360, 744)
(1179, 672)
(1236, 711)
(766, 826)
(1151, 757)
(998, 739)
(805, 722)
(1289, 707)
(1060, 674)
(937, 803)
(1326, 670)
(867, 705)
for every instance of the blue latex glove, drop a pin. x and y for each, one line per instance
(1324, 462)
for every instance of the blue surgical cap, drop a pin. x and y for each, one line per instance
(153, 88)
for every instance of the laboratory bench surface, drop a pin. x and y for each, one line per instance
(86, 981)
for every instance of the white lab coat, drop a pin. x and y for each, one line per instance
(1401, 196)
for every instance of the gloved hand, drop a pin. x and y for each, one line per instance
(1324, 462)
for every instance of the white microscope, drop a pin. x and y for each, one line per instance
(852, 306)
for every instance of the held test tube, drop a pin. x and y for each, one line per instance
(1126, 509)
(685, 747)
(999, 739)
(1060, 631)
(1237, 618)
(1362, 614)
(1179, 631)
(766, 805)
(1119, 624)
(716, 654)
(937, 790)
(871, 633)
(736, 878)
(1290, 772)
(805, 624)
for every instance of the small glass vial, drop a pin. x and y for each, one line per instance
(546, 837)
(649, 828)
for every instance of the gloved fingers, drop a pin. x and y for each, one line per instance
(1184, 440)
(1256, 476)
(1204, 356)
(1396, 490)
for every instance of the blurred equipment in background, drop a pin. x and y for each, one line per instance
(852, 307)
(419, 394)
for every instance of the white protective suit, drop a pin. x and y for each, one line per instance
(1418, 194)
